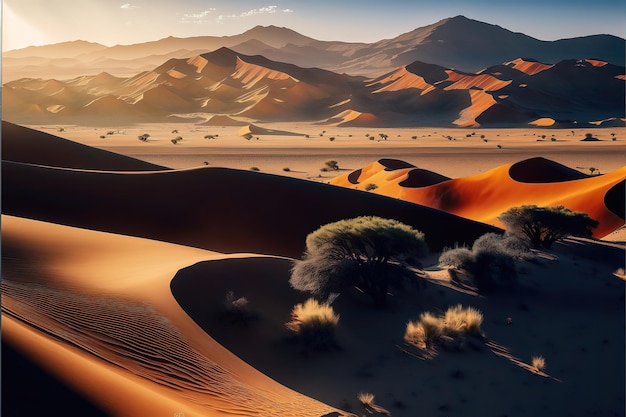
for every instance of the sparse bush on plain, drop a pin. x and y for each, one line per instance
(287, 169)
(543, 226)
(370, 187)
(314, 324)
(254, 169)
(448, 329)
(368, 252)
(334, 165)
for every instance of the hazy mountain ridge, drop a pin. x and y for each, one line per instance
(457, 42)
(255, 88)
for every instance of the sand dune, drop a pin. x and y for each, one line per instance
(351, 118)
(225, 82)
(257, 130)
(528, 67)
(157, 355)
(21, 144)
(483, 197)
(222, 120)
(161, 205)
(66, 290)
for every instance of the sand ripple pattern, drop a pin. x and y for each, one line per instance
(137, 338)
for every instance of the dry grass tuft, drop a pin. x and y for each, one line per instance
(539, 363)
(366, 398)
(462, 320)
(314, 323)
(452, 326)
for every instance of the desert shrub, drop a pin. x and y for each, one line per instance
(508, 244)
(287, 169)
(490, 262)
(314, 324)
(450, 328)
(254, 169)
(456, 258)
(492, 270)
(543, 226)
(370, 187)
(368, 252)
(332, 138)
(334, 165)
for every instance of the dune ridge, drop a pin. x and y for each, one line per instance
(484, 197)
(156, 205)
(21, 144)
(103, 281)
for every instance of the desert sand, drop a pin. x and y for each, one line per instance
(118, 253)
(447, 151)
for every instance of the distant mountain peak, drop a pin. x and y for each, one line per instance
(224, 57)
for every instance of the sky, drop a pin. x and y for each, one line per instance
(112, 22)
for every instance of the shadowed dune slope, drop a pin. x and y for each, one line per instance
(64, 303)
(214, 208)
(484, 197)
(540, 170)
(21, 144)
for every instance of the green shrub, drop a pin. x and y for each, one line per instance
(368, 252)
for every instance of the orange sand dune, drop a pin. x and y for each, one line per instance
(485, 196)
(250, 75)
(528, 67)
(481, 101)
(471, 81)
(96, 311)
(351, 118)
(400, 79)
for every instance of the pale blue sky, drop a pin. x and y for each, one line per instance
(110, 22)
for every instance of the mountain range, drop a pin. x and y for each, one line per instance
(228, 86)
(458, 42)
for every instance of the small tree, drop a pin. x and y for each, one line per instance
(543, 226)
(367, 252)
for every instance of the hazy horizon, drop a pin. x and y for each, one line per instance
(38, 22)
